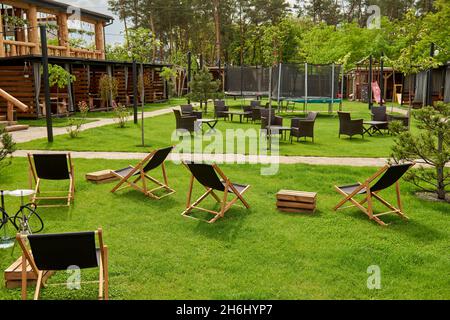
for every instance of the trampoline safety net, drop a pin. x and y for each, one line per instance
(247, 81)
(299, 81)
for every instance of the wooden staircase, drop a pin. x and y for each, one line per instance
(7, 120)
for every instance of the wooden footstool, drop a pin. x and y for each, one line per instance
(99, 177)
(296, 201)
(13, 275)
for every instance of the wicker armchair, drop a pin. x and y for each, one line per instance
(187, 110)
(350, 127)
(380, 114)
(248, 113)
(303, 127)
(255, 104)
(256, 114)
(274, 120)
(186, 123)
(220, 110)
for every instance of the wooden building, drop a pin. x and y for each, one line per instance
(357, 83)
(21, 60)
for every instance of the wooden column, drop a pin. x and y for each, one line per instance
(2, 37)
(63, 32)
(9, 112)
(33, 35)
(99, 38)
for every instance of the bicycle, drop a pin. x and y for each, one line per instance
(26, 220)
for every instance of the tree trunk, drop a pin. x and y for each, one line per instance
(440, 170)
(152, 27)
(217, 25)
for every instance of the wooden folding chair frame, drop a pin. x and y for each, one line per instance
(37, 185)
(224, 204)
(142, 177)
(369, 195)
(103, 290)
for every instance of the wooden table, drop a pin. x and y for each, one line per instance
(296, 201)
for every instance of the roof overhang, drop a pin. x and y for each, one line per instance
(67, 8)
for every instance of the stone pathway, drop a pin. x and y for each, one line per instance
(225, 158)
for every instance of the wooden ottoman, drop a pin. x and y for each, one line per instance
(296, 201)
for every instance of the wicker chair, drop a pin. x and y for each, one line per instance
(303, 127)
(187, 110)
(380, 114)
(350, 127)
(274, 121)
(220, 110)
(249, 112)
(256, 114)
(188, 123)
(255, 104)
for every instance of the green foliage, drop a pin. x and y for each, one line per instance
(431, 145)
(170, 75)
(75, 124)
(109, 88)
(203, 87)
(121, 115)
(7, 147)
(139, 45)
(59, 77)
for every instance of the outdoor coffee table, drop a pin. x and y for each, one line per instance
(210, 122)
(241, 114)
(278, 130)
(371, 127)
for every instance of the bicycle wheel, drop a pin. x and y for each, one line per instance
(27, 219)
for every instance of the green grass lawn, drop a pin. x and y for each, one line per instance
(256, 254)
(159, 130)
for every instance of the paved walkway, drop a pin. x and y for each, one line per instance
(34, 133)
(225, 158)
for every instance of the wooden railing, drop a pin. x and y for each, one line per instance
(12, 103)
(19, 48)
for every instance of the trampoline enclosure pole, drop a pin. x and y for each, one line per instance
(279, 86)
(330, 106)
(305, 105)
(342, 87)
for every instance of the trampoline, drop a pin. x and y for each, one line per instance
(306, 84)
(309, 100)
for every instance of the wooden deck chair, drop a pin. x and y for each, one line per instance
(132, 175)
(208, 176)
(56, 167)
(390, 175)
(60, 252)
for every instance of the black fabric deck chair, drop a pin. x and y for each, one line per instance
(132, 175)
(55, 167)
(390, 175)
(208, 176)
(60, 252)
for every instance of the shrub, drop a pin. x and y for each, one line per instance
(7, 147)
(121, 115)
(75, 123)
(431, 147)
